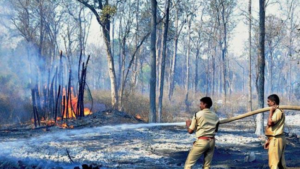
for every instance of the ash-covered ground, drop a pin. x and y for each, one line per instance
(138, 146)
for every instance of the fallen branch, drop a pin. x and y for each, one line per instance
(251, 113)
(69, 156)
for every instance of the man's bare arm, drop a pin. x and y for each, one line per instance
(188, 123)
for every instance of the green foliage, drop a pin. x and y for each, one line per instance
(107, 12)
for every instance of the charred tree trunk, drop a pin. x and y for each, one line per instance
(38, 101)
(63, 110)
(34, 107)
(57, 103)
(82, 84)
(68, 96)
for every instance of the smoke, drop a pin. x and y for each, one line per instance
(21, 69)
(25, 63)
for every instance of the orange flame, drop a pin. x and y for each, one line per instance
(50, 123)
(138, 117)
(65, 126)
(87, 111)
(68, 112)
(71, 110)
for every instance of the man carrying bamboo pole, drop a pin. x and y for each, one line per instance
(204, 123)
(274, 131)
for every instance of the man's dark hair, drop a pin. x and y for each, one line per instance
(207, 101)
(274, 98)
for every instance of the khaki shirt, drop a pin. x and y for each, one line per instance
(278, 119)
(204, 123)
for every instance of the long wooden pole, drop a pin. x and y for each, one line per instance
(251, 113)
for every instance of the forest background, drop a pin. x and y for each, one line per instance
(157, 71)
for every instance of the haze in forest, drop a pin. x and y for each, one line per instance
(203, 52)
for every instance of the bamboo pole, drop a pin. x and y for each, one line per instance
(251, 113)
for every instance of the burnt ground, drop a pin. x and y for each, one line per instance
(137, 148)
(234, 156)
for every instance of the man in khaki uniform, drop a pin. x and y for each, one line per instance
(274, 131)
(204, 123)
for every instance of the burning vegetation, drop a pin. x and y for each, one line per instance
(70, 109)
(56, 103)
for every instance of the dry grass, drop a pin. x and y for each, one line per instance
(136, 104)
(175, 109)
(102, 96)
(14, 110)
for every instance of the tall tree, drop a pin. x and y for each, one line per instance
(187, 80)
(221, 13)
(250, 70)
(198, 40)
(103, 12)
(177, 32)
(126, 12)
(135, 71)
(290, 10)
(163, 65)
(152, 94)
(124, 32)
(260, 84)
(273, 36)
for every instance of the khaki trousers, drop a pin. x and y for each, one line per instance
(276, 152)
(201, 146)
